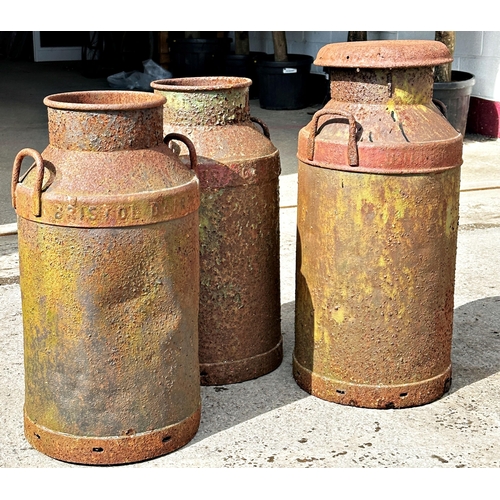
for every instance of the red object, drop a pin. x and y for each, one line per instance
(484, 117)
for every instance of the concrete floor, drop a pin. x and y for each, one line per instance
(271, 422)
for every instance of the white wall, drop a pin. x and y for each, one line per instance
(477, 52)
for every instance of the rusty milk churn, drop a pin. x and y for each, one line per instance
(109, 275)
(379, 174)
(238, 168)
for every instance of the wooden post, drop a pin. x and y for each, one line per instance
(163, 53)
(280, 48)
(241, 43)
(442, 73)
(357, 36)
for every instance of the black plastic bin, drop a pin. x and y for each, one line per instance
(284, 85)
(455, 95)
(245, 65)
(198, 56)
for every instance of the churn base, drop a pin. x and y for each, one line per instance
(372, 396)
(111, 450)
(232, 372)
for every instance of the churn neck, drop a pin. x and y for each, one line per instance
(384, 71)
(205, 101)
(105, 120)
(405, 86)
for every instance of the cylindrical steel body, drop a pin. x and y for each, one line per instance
(109, 275)
(379, 175)
(238, 168)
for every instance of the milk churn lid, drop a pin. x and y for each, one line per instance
(383, 54)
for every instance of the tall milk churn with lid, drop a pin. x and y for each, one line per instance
(377, 220)
(109, 273)
(238, 168)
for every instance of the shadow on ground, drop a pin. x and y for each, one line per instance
(229, 405)
(476, 342)
(475, 356)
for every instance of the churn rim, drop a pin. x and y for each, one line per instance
(383, 54)
(197, 83)
(104, 100)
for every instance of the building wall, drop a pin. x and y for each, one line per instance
(478, 52)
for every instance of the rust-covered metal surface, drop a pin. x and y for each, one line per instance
(109, 276)
(377, 221)
(383, 54)
(238, 167)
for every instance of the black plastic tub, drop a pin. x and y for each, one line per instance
(198, 56)
(284, 85)
(245, 65)
(455, 96)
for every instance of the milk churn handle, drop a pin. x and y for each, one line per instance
(265, 128)
(192, 152)
(441, 106)
(37, 192)
(352, 150)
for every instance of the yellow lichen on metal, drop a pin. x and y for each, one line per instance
(239, 321)
(109, 275)
(377, 232)
(370, 276)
